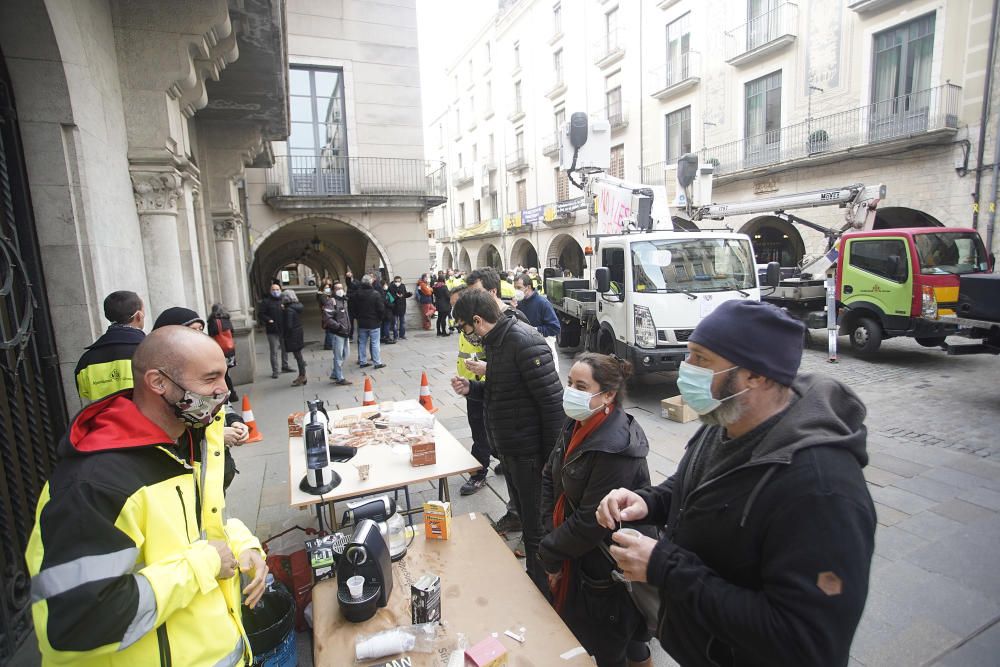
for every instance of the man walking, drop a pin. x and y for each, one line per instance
(106, 366)
(769, 524)
(131, 560)
(270, 316)
(539, 312)
(369, 308)
(338, 326)
(522, 401)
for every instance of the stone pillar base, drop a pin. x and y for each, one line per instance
(246, 353)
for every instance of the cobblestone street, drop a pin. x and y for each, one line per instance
(934, 475)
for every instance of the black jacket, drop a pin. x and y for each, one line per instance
(401, 295)
(102, 369)
(768, 563)
(522, 393)
(292, 328)
(270, 309)
(442, 298)
(368, 307)
(611, 457)
(335, 318)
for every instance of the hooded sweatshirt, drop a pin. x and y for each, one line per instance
(121, 569)
(767, 562)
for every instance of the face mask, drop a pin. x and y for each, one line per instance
(398, 282)
(275, 294)
(196, 409)
(519, 295)
(326, 291)
(576, 404)
(473, 338)
(340, 293)
(695, 384)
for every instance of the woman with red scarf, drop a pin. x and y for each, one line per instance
(600, 449)
(425, 297)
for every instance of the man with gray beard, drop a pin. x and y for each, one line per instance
(767, 524)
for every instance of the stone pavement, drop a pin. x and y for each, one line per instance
(934, 474)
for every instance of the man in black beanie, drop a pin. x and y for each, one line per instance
(769, 526)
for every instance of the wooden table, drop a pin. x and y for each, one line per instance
(390, 466)
(484, 589)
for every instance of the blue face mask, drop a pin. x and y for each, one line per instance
(576, 404)
(275, 294)
(695, 384)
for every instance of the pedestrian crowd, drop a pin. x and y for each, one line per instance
(756, 550)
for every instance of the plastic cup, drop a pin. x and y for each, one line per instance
(355, 585)
(631, 532)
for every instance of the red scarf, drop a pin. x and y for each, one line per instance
(581, 431)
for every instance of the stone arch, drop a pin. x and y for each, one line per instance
(257, 242)
(447, 259)
(489, 255)
(464, 261)
(565, 252)
(523, 253)
(895, 217)
(775, 240)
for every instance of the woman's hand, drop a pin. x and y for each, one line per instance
(621, 505)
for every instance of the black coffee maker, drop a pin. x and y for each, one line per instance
(367, 556)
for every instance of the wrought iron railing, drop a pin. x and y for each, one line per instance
(324, 175)
(893, 119)
(761, 30)
(685, 66)
(617, 115)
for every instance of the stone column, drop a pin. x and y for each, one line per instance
(226, 223)
(156, 194)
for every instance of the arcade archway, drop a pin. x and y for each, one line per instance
(895, 217)
(565, 254)
(447, 259)
(775, 240)
(464, 261)
(523, 253)
(489, 256)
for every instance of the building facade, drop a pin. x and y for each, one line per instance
(779, 97)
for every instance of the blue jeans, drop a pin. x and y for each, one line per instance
(399, 321)
(388, 329)
(364, 335)
(328, 340)
(341, 348)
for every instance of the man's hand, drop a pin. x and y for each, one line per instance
(632, 554)
(236, 434)
(227, 564)
(252, 560)
(460, 386)
(621, 505)
(476, 366)
(554, 581)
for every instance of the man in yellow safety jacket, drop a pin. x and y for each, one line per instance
(131, 559)
(106, 366)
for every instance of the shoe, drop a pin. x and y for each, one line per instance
(274, 376)
(287, 370)
(648, 662)
(343, 382)
(473, 485)
(498, 469)
(388, 342)
(364, 365)
(508, 523)
(299, 381)
(519, 549)
(325, 347)
(401, 338)
(378, 366)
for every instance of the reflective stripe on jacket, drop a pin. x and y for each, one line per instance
(465, 351)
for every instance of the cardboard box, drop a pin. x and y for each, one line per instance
(487, 653)
(675, 409)
(425, 599)
(323, 555)
(295, 424)
(423, 453)
(437, 520)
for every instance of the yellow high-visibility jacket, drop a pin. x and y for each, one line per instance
(121, 569)
(106, 367)
(465, 351)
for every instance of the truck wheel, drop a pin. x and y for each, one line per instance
(569, 334)
(931, 341)
(590, 343)
(866, 336)
(605, 342)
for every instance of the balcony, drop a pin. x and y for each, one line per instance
(517, 161)
(609, 49)
(550, 145)
(676, 76)
(924, 117)
(488, 112)
(461, 177)
(557, 88)
(472, 122)
(490, 165)
(865, 6)
(518, 112)
(762, 35)
(617, 117)
(324, 181)
(667, 4)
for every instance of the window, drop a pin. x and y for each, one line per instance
(726, 264)
(557, 66)
(611, 31)
(519, 144)
(557, 19)
(461, 215)
(762, 131)
(562, 185)
(493, 147)
(522, 195)
(953, 253)
(560, 120)
(458, 122)
(517, 55)
(456, 86)
(614, 260)
(489, 96)
(318, 140)
(477, 210)
(494, 208)
(440, 135)
(613, 99)
(883, 257)
(678, 46)
(472, 108)
(901, 78)
(459, 160)
(517, 97)
(489, 53)
(678, 133)
(617, 161)
(472, 73)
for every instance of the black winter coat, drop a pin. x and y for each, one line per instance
(335, 318)
(368, 307)
(270, 309)
(522, 393)
(768, 563)
(401, 295)
(442, 299)
(292, 330)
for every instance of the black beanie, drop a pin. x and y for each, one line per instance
(177, 315)
(754, 335)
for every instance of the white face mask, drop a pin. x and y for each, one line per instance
(339, 293)
(519, 295)
(576, 404)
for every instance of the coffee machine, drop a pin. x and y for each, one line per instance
(366, 556)
(383, 511)
(320, 478)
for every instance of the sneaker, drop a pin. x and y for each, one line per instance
(519, 549)
(473, 485)
(389, 341)
(402, 338)
(274, 376)
(378, 366)
(344, 382)
(508, 523)
(288, 370)
(498, 469)
(364, 365)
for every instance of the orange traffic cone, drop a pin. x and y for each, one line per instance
(369, 398)
(425, 395)
(255, 435)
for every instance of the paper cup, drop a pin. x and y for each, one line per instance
(356, 585)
